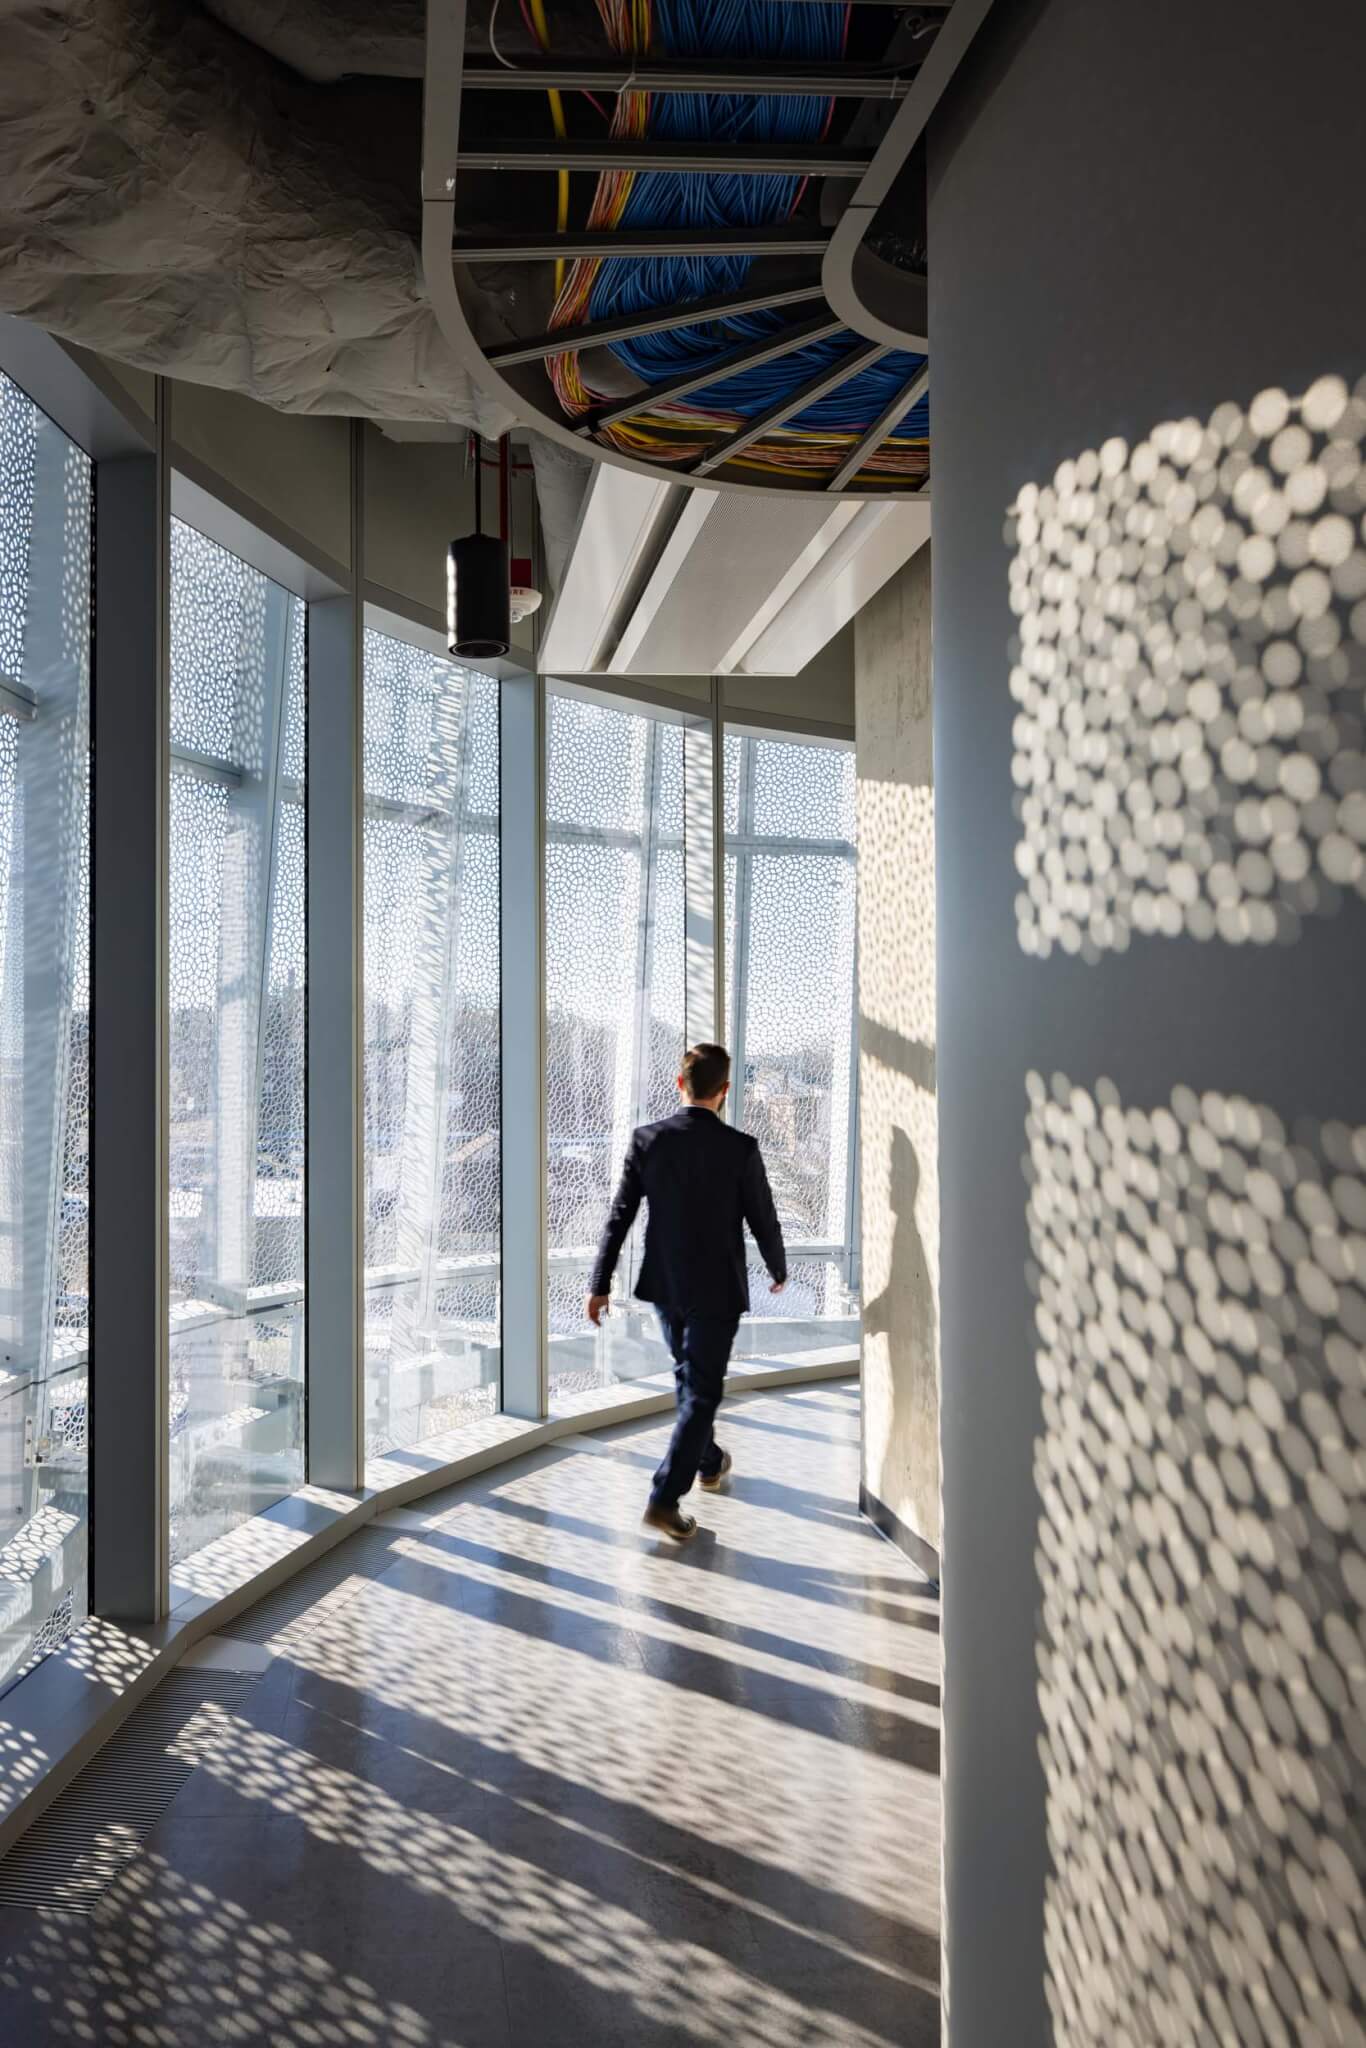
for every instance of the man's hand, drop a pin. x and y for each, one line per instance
(597, 1306)
(777, 1286)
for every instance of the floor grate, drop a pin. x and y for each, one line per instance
(366, 1555)
(71, 1855)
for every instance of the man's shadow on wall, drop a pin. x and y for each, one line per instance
(909, 1266)
(908, 1272)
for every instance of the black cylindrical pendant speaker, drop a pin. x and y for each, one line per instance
(478, 613)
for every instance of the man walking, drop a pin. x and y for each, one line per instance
(702, 1182)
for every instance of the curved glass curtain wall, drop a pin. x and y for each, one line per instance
(791, 1022)
(619, 835)
(237, 1041)
(45, 563)
(432, 1068)
(615, 1004)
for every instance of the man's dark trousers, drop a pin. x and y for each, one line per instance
(700, 1345)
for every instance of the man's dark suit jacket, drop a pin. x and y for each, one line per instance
(703, 1181)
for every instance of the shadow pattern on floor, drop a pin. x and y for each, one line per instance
(520, 1778)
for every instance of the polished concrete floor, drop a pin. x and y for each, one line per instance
(523, 1779)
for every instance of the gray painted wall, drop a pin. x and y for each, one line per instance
(1142, 211)
(898, 1124)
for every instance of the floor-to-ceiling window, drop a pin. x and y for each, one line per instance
(615, 1002)
(432, 1082)
(237, 1040)
(791, 1020)
(45, 536)
(613, 939)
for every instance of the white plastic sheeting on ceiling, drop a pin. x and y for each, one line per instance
(172, 196)
(329, 39)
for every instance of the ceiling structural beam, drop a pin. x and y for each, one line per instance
(441, 87)
(550, 75)
(872, 303)
(784, 238)
(658, 320)
(616, 153)
(746, 356)
(887, 421)
(787, 408)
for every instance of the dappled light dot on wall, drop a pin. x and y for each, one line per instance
(1200, 1275)
(896, 888)
(1188, 672)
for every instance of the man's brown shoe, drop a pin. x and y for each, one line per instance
(669, 1522)
(711, 1481)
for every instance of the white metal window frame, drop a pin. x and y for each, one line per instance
(707, 978)
(745, 842)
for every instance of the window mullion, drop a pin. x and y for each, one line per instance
(740, 984)
(129, 1169)
(523, 1040)
(335, 1118)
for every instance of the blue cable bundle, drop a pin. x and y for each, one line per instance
(743, 30)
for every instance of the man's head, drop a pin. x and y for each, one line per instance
(705, 1078)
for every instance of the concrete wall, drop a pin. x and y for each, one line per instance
(294, 465)
(1147, 251)
(822, 692)
(291, 472)
(898, 1123)
(820, 696)
(138, 385)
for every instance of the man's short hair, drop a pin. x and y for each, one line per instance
(705, 1072)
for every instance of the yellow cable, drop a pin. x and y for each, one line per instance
(558, 124)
